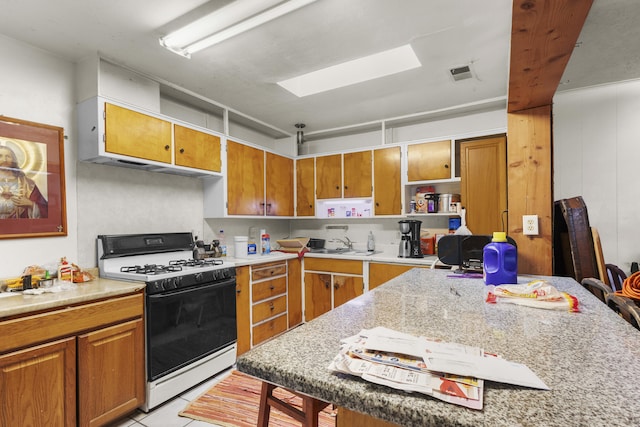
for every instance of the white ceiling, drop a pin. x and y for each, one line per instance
(242, 72)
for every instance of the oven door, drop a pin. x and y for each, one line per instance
(188, 324)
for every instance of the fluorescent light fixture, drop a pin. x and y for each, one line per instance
(370, 67)
(226, 22)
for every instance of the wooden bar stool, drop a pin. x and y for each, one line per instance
(308, 416)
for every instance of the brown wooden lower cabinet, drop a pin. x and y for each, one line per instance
(103, 395)
(348, 418)
(38, 385)
(82, 366)
(381, 273)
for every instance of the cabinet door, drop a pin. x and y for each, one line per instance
(329, 177)
(305, 187)
(382, 273)
(294, 292)
(483, 183)
(386, 181)
(429, 161)
(346, 288)
(111, 372)
(317, 294)
(357, 174)
(195, 149)
(38, 385)
(279, 178)
(135, 134)
(245, 180)
(243, 322)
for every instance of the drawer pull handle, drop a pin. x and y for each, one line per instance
(271, 307)
(272, 287)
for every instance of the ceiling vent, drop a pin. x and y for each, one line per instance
(461, 73)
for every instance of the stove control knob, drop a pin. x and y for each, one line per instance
(214, 275)
(198, 277)
(224, 273)
(177, 282)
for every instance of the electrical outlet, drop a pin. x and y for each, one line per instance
(530, 225)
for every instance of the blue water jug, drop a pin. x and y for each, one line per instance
(500, 261)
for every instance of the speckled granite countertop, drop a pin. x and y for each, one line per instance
(12, 304)
(590, 360)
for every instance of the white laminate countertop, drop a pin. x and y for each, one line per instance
(16, 303)
(590, 359)
(382, 257)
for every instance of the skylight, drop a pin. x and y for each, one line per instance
(360, 70)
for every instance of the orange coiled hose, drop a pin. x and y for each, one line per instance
(631, 286)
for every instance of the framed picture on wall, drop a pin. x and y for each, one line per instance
(32, 191)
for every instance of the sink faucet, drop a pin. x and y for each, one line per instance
(348, 243)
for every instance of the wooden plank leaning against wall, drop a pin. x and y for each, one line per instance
(543, 35)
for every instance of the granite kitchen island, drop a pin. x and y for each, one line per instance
(589, 359)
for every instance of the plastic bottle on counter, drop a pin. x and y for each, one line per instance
(265, 243)
(223, 243)
(371, 243)
(500, 261)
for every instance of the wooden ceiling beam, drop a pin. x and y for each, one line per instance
(543, 35)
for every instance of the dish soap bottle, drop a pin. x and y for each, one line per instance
(371, 243)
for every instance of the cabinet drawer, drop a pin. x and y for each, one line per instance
(333, 265)
(266, 271)
(270, 308)
(271, 288)
(32, 329)
(269, 329)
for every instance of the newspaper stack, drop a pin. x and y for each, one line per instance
(450, 372)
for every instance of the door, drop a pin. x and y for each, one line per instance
(329, 177)
(357, 174)
(387, 181)
(483, 183)
(245, 179)
(110, 372)
(305, 187)
(317, 297)
(429, 161)
(294, 292)
(279, 178)
(345, 288)
(38, 385)
(243, 303)
(195, 149)
(189, 324)
(135, 134)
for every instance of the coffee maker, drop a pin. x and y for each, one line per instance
(410, 241)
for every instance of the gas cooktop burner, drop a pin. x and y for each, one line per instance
(196, 262)
(150, 269)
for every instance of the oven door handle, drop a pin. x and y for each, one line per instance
(175, 292)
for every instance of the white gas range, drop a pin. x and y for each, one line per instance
(190, 308)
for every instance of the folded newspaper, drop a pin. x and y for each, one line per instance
(450, 372)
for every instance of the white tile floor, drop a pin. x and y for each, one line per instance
(166, 415)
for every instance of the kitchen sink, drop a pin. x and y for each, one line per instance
(343, 251)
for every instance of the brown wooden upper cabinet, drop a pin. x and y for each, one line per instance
(195, 149)
(134, 134)
(387, 181)
(305, 187)
(429, 161)
(329, 176)
(483, 183)
(279, 177)
(247, 193)
(357, 172)
(245, 179)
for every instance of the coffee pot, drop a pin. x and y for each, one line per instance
(409, 246)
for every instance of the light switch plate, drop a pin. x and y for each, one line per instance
(530, 225)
